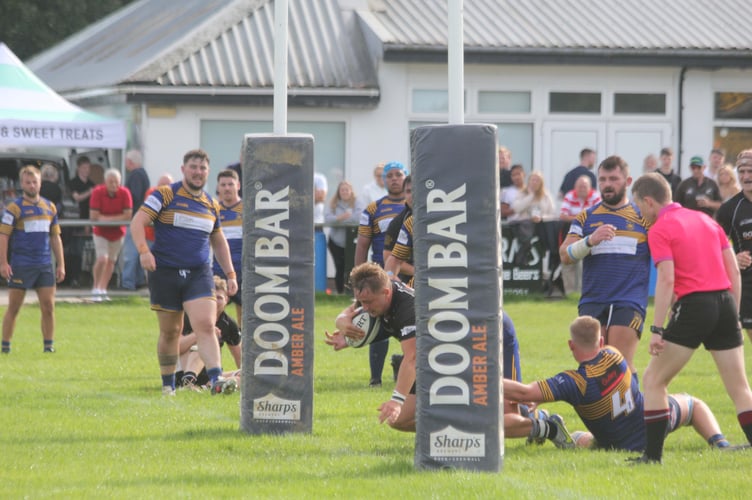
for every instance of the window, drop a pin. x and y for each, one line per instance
(640, 104)
(732, 139)
(517, 137)
(430, 101)
(222, 139)
(503, 102)
(575, 102)
(733, 105)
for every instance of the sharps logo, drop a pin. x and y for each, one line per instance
(271, 407)
(453, 443)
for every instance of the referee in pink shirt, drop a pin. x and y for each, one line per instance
(698, 288)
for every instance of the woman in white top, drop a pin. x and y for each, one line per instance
(534, 203)
(344, 208)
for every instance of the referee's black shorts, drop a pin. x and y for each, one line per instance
(708, 318)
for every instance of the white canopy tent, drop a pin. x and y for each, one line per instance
(32, 114)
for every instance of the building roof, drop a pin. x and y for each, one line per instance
(223, 49)
(669, 32)
(212, 47)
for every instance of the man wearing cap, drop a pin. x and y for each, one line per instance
(698, 192)
(374, 221)
(735, 217)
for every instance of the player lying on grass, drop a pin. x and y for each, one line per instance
(606, 395)
(393, 304)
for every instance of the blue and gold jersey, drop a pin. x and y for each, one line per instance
(606, 396)
(231, 220)
(29, 226)
(374, 222)
(403, 247)
(182, 226)
(616, 271)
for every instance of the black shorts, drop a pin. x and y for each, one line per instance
(614, 315)
(32, 277)
(708, 318)
(169, 288)
(745, 309)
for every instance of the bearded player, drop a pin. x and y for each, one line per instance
(611, 240)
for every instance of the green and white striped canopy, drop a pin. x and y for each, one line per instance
(32, 114)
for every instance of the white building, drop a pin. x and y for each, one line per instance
(623, 77)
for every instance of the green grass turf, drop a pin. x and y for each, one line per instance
(89, 422)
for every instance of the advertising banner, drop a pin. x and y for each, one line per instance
(522, 253)
(32, 114)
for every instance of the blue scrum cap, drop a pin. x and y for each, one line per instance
(392, 165)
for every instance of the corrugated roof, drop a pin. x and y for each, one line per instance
(324, 52)
(225, 47)
(115, 48)
(694, 27)
(215, 44)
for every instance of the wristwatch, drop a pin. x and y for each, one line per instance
(657, 330)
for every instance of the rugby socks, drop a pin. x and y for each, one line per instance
(48, 346)
(541, 429)
(538, 426)
(168, 380)
(6, 347)
(718, 441)
(656, 422)
(214, 373)
(745, 420)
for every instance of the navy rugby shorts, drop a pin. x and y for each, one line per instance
(32, 277)
(170, 288)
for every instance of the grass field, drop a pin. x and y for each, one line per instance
(90, 422)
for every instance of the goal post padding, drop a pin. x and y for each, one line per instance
(457, 255)
(278, 284)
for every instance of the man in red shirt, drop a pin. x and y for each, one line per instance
(697, 271)
(109, 202)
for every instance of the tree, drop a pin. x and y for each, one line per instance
(30, 26)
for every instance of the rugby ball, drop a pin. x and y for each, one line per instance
(367, 323)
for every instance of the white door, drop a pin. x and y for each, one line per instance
(634, 141)
(562, 143)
